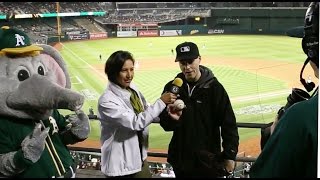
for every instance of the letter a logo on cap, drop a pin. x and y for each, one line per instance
(20, 40)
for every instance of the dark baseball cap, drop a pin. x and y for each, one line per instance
(15, 41)
(187, 51)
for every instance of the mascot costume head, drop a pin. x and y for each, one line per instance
(34, 85)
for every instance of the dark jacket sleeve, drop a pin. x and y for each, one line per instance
(166, 122)
(229, 129)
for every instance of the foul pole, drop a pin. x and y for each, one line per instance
(58, 21)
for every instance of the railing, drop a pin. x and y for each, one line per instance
(161, 154)
(151, 154)
(241, 171)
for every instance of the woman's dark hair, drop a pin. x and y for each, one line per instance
(114, 64)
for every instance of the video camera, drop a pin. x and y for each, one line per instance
(297, 95)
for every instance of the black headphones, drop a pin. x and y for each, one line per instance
(310, 41)
(310, 46)
(308, 85)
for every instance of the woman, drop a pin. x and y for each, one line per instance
(125, 116)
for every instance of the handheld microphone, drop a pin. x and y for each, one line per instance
(308, 85)
(176, 84)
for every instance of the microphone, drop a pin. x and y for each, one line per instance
(308, 85)
(176, 84)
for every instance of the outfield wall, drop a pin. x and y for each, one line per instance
(244, 21)
(256, 21)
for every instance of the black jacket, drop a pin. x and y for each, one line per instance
(207, 109)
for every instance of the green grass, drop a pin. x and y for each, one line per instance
(82, 56)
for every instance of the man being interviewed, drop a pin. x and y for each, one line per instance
(195, 147)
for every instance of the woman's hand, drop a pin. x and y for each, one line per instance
(168, 97)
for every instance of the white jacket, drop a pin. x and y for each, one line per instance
(120, 153)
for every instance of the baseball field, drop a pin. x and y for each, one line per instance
(257, 71)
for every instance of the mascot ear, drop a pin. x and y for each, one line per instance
(55, 55)
(55, 72)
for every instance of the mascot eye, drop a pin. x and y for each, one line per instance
(41, 70)
(23, 75)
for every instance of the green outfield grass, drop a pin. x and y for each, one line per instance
(82, 57)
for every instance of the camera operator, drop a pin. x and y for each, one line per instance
(297, 95)
(291, 150)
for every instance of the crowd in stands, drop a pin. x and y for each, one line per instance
(159, 170)
(160, 12)
(151, 15)
(47, 7)
(93, 161)
(51, 7)
(40, 29)
(131, 5)
(86, 160)
(258, 4)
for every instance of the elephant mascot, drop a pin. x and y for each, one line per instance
(34, 84)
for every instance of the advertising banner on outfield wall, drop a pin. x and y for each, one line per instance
(215, 31)
(170, 32)
(148, 33)
(126, 33)
(101, 35)
(78, 36)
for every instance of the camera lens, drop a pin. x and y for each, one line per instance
(297, 95)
